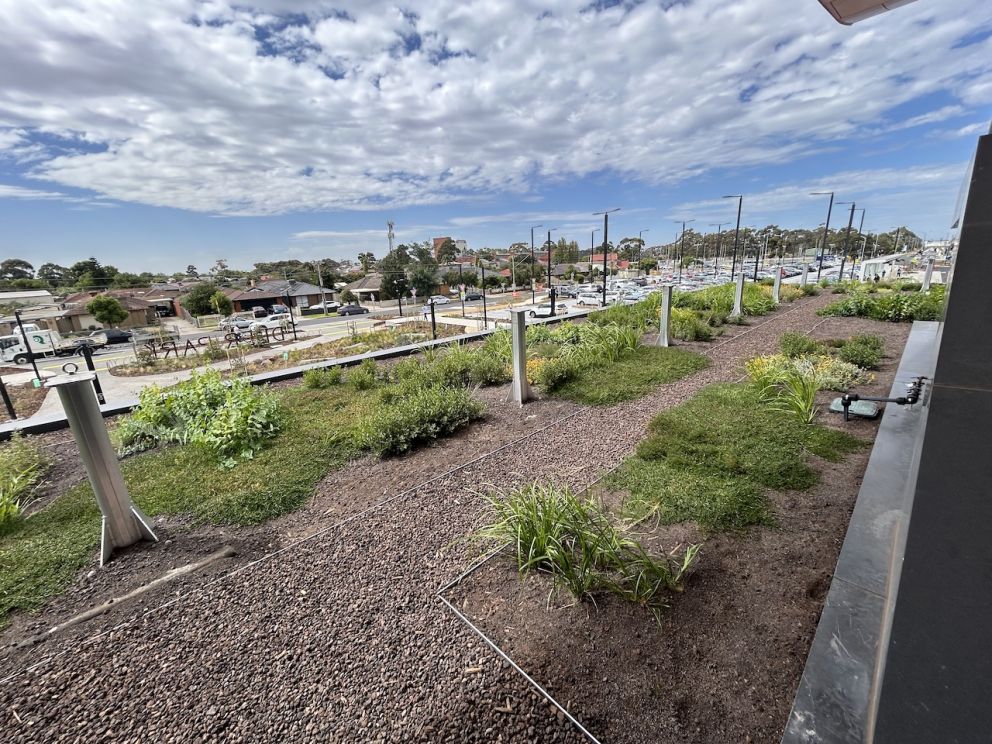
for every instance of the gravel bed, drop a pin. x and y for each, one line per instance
(340, 637)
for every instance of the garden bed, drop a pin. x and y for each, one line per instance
(27, 399)
(723, 661)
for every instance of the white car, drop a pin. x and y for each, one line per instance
(590, 298)
(544, 310)
(270, 322)
(326, 307)
(439, 299)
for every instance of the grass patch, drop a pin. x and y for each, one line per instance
(323, 429)
(710, 460)
(631, 377)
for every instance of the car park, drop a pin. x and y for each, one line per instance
(352, 310)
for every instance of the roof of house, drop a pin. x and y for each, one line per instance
(292, 287)
(368, 283)
(599, 257)
(21, 295)
(131, 304)
(237, 294)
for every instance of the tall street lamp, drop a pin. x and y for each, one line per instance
(826, 227)
(719, 235)
(640, 246)
(847, 236)
(551, 290)
(682, 246)
(737, 232)
(606, 238)
(592, 246)
(533, 295)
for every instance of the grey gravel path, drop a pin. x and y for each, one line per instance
(341, 638)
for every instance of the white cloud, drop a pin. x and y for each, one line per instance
(221, 108)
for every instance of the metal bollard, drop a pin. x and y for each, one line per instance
(518, 333)
(664, 327)
(927, 276)
(123, 523)
(802, 279)
(738, 297)
(777, 287)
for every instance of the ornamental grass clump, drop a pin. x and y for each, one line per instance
(318, 379)
(419, 416)
(231, 418)
(21, 468)
(554, 531)
(686, 325)
(894, 307)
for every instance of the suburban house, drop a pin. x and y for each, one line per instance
(369, 287)
(19, 298)
(292, 293)
(71, 316)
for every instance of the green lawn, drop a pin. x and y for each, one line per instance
(632, 377)
(40, 555)
(711, 460)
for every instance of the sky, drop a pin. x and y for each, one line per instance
(163, 133)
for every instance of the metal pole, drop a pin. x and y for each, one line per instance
(461, 287)
(737, 232)
(27, 344)
(433, 321)
(518, 333)
(738, 297)
(292, 320)
(485, 317)
(847, 238)
(666, 316)
(8, 403)
(826, 227)
(123, 523)
(320, 282)
(533, 262)
(606, 233)
(681, 252)
(87, 353)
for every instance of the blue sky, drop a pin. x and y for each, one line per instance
(161, 134)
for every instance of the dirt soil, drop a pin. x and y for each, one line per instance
(723, 663)
(27, 399)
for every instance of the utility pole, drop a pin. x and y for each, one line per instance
(737, 232)
(533, 263)
(719, 233)
(606, 238)
(847, 237)
(320, 282)
(682, 247)
(551, 290)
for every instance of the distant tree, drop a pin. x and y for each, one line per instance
(422, 252)
(198, 300)
(26, 284)
(127, 279)
(393, 269)
(107, 310)
(220, 266)
(424, 280)
(447, 252)
(221, 303)
(15, 268)
(191, 270)
(649, 264)
(348, 297)
(55, 275)
(367, 260)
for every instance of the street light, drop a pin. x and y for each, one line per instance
(719, 234)
(847, 237)
(551, 290)
(592, 247)
(606, 238)
(533, 296)
(737, 231)
(826, 228)
(640, 246)
(682, 246)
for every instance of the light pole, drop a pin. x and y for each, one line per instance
(719, 235)
(592, 246)
(847, 237)
(551, 290)
(737, 231)
(606, 238)
(682, 246)
(826, 227)
(640, 246)
(533, 295)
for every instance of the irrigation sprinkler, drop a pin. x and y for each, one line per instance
(123, 523)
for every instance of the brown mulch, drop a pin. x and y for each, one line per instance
(27, 399)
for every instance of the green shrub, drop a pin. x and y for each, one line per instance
(810, 290)
(421, 416)
(364, 376)
(863, 351)
(797, 344)
(231, 419)
(688, 326)
(318, 379)
(910, 286)
(21, 467)
(554, 531)
(830, 373)
(893, 307)
(555, 372)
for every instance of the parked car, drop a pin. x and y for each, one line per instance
(590, 298)
(352, 310)
(271, 322)
(472, 296)
(111, 336)
(439, 299)
(544, 310)
(259, 312)
(236, 323)
(326, 307)
(279, 309)
(570, 292)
